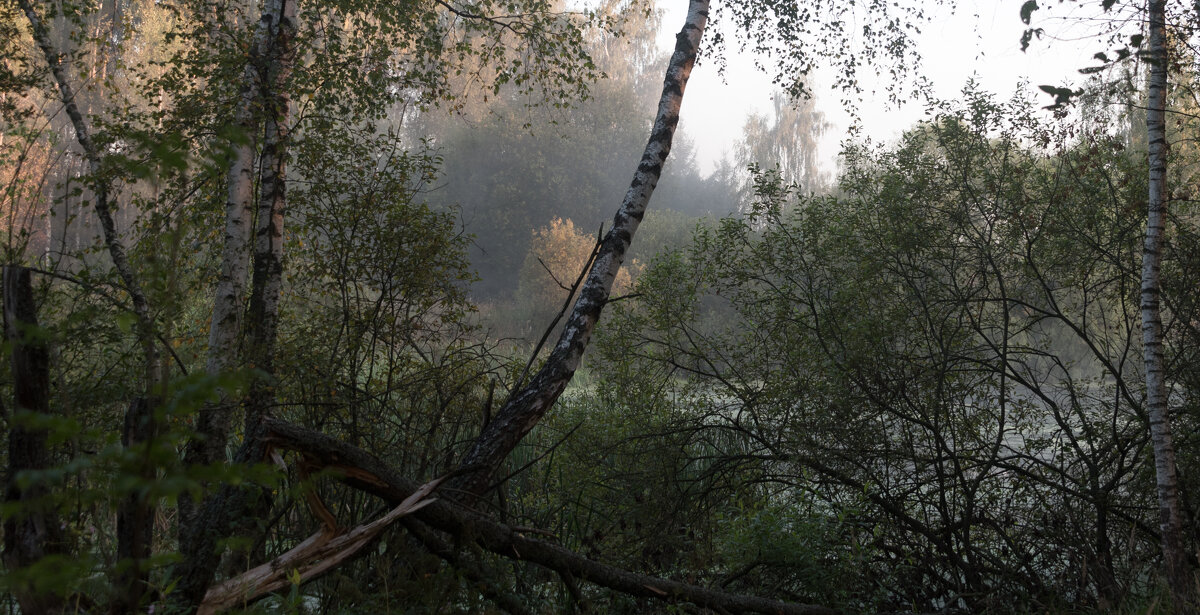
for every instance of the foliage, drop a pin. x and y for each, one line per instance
(933, 374)
(926, 378)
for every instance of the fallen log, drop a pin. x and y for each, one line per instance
(362, 470)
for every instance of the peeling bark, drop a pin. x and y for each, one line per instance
(320, 553)
(527, 406)
(31, 531)
(1167, 483)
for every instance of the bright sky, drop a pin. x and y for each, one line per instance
(981, 39)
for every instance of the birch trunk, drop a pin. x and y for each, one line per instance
(268, 247)
(527, 406)
(1174, 557)
(269, 68)
(225, 329)
(134, 514)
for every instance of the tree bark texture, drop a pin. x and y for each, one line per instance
(31, 531)
(1170, 512)
(263, 317)
(527, 406)
(229, 508)
(262, 108)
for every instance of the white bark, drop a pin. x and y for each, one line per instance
(1167, 483)
(526, 406)
(229, 302)
(264, 106)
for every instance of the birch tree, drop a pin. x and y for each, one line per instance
(1179, 577)
(134, 515)
(260, 102)
(1157, 54)
(526, 407)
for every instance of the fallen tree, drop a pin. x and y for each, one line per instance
(330, 546)
(361, 470)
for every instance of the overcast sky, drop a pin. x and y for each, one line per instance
(981, 38)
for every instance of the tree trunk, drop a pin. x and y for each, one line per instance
(266, 74)
(527, 406)
(31, 529)
(135, 516)
(263, 317)
(1174, 556)
(213, 424)
(130, 512)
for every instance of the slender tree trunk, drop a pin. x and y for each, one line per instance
(527, 406)
(218, 515)
(213, 423)
(1174, 556)
(31, 529)
(101, 188)
(263, 317)
(262, 323)
(136, 510)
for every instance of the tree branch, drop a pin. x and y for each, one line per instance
(362, 470)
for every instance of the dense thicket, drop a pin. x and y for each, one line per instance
(269, 266)
(930, 379)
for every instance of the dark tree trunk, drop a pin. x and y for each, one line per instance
(31, 531)
(135, 515)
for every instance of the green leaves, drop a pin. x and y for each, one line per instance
(1027, 37)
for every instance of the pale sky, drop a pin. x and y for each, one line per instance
(981, 38)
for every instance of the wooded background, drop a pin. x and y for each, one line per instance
(324, 307)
